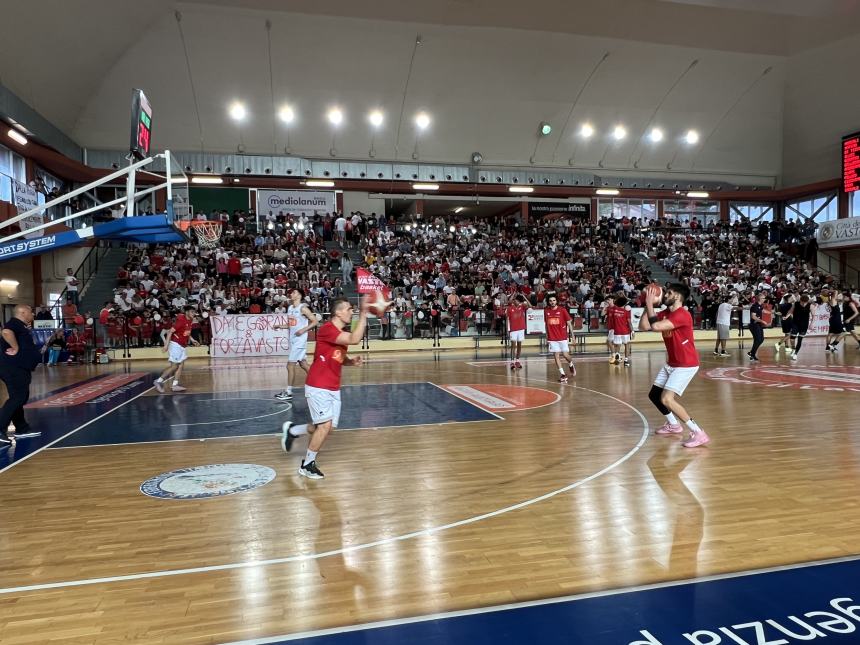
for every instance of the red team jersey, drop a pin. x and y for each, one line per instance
(679, 341)
(618, 320)
(516, 317)
(556, 323)
(181, 331)
(328, 359)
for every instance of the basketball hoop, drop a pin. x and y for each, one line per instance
(207, 233)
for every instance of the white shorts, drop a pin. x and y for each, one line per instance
(518, 336)
(675, 379)
(558, 346)
(610, 336)
(618, 339)
(324, 405)
(298, 351)
(176, 353)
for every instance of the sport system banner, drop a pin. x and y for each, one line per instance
(295, 202)
(242, 335)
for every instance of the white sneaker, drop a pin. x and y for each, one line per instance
(793, 356)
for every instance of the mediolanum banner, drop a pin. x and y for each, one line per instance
(295, 202)
(839, 232)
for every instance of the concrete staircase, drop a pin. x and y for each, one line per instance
(658, 273)
(101, 284)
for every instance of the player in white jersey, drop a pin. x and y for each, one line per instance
(301, 321)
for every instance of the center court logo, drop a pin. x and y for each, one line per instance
(827, 378)
(200, 482)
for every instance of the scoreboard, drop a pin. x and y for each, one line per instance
(141, 125)
(851, 162)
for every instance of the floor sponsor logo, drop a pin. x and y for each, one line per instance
(828, 378)
(508, 398)
(94, 391)
(214, 480)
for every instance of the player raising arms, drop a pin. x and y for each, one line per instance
(676, 325)
(558, 324)
(175, 343)
(322, 388)
(516, 313)
(300, 320)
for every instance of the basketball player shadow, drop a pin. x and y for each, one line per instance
(333, 569)
(666, 465)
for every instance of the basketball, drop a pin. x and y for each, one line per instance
(79, 320)
(377, 303)
(655, 290)
(89, 321)
(156, 317)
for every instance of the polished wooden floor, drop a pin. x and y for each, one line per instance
(571, 497)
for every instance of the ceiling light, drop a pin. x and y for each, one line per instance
(586, 130)
(425, 186)
(545, 129)
(238, 111)
(179, 180)
(521, 189)
(698, 194)
(459, 209)
(319, 183)
(607, 191)
(619, 132)
(692, 137)
(286, 114)
(17, 136)
(235, 181)
(376, 118)
(422, 120)
(207, 180)
(9, 283)
(656, 135)
(335, 116)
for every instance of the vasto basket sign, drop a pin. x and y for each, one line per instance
(295, 202)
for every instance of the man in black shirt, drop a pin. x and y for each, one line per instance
(756, 325)
(18, 358)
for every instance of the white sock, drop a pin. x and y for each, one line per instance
(310, 456)
(298, 431)
(672, 419)
(561, 371)
(693, 426)
(289, 389)
(159, 380)
(175, 382)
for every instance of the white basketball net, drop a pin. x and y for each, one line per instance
(208, 234)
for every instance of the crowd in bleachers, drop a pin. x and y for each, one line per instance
(448, 275)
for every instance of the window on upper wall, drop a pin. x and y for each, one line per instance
(12, 166)
(684, 210)
(643, 209)
(821, 208)
(755, 213)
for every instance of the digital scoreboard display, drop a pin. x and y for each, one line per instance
(851, 162)
(141, 125)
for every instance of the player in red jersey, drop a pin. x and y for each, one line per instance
(558, 325)
(516, 314)
(322, 386)
(676, 325)
(175, 342)
(618, 320)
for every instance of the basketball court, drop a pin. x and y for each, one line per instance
(463, 502)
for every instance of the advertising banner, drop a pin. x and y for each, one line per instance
(538, 209)
(535, 323)
(25, 198)
(839, 233)
(295, 202)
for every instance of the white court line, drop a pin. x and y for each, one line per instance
(69, 434)
(358, 547)
(285, 407)
(537, 603)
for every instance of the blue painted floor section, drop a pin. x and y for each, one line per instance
(172, 417)
(808, 604)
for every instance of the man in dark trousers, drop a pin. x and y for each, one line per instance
(18, 358)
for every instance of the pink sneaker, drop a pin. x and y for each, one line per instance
(519, 365)
(699, 438)
(178, 388)
(670, 428)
